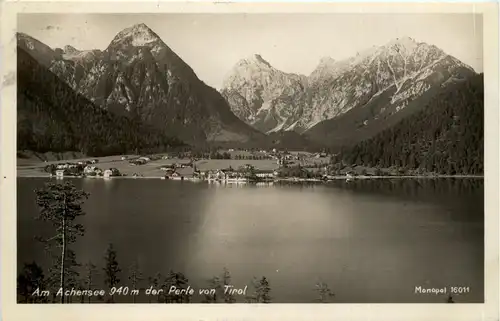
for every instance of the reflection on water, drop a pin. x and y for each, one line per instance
(370, 241)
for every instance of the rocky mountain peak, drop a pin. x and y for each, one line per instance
(70, 49)
(404, 42)
(254, 60)
(258, 59)
(136, 36)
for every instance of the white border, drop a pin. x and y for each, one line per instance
(432, 312)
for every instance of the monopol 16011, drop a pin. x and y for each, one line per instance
(123, 290)
(459, 289)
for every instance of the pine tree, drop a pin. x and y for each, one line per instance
(135, 276)
(324, 292)
(215, 284)
(156, 281)
(111, 269)
(261, 291)
(226, 278)
(180, 282)
(91, 272)
(30, 280)
(61, 204)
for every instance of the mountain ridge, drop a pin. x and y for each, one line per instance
(138, 75)
(336, 87)
(52, 117)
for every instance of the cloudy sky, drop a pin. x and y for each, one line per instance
(212, 43)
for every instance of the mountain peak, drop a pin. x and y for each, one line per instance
(405, 42)
(138, 35)
(70, 49)
(255, 59)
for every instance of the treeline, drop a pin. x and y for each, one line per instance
(34, 286)
(446, 137)
(52, 117)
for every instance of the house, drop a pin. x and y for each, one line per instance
(176, 176)
(108, 173)
(169, 172)
(217, 175)
(94, 161)
(89, 169)
(281, 161)
(264, 174)
(124, 158)
(62, 172)
(62, 166)
(197, 174)
(248, 167)
(111, 172)
(145, 159)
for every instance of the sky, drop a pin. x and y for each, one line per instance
(213, 43)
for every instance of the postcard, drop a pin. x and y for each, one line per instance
(295, 160)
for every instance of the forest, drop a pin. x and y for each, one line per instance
(52, 117)
(446, 137)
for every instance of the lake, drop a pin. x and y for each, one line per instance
(370, 241)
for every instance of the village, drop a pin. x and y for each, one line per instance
(231, 166)
(224, 165)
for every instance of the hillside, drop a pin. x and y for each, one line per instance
(445, 137)
(52, 117)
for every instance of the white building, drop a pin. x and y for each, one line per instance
(108, 173)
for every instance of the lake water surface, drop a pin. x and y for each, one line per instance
(370, 241)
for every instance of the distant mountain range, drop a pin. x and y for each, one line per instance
(340, 104)
(341, 100)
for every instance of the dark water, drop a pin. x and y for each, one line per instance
(370, 241)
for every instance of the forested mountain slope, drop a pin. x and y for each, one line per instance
(52, 117)
(446, 137)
